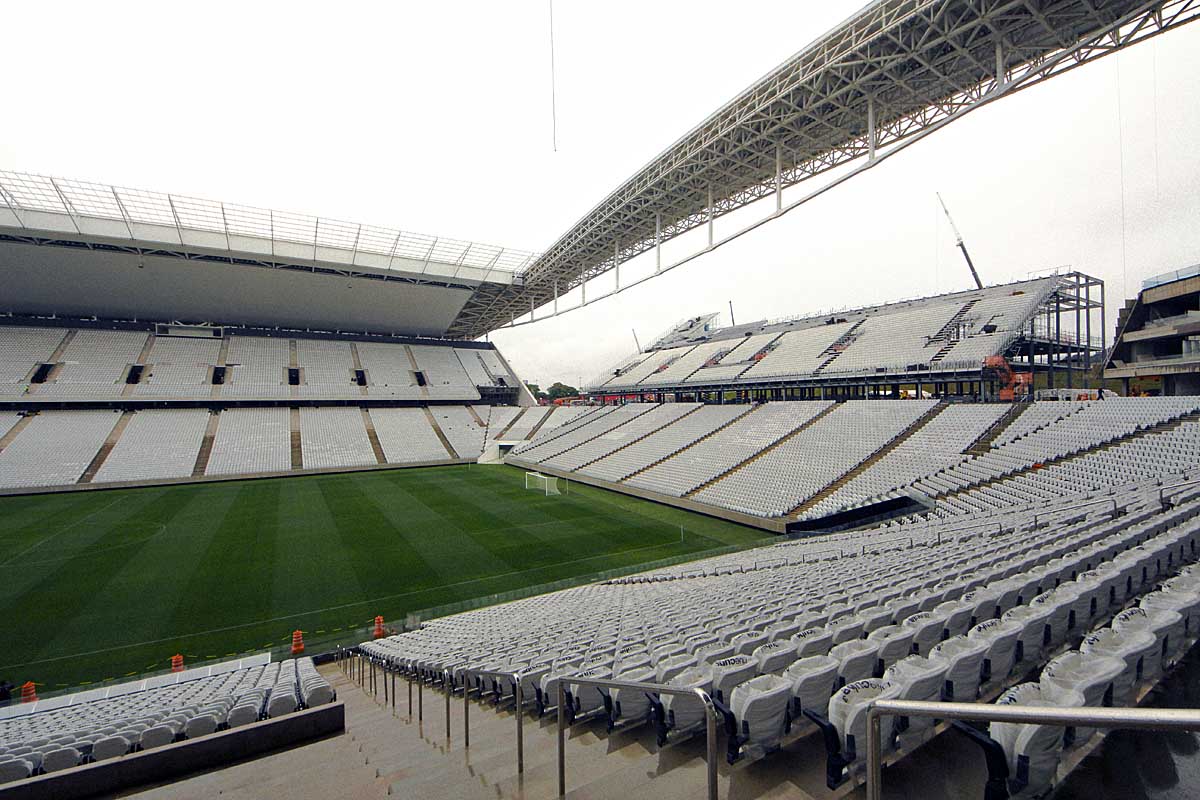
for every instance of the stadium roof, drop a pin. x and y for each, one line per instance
(892, 73)
(78, 248)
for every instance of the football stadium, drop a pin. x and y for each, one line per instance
(279, 518)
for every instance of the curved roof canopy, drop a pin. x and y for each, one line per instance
(896, 70)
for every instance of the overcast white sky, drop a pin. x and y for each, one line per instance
(435, 117)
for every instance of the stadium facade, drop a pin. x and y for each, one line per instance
(1157, 349)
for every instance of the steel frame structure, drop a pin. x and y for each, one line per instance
(887, 77)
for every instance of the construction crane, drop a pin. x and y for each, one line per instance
(958, 240)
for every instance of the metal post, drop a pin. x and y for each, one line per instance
(710, 740)
(420, 701)
(393, 692)
(520, 729)
(874, 756)
(562, 740)
(466, 715)
(446, 686)
(383, 669)
(658, 241)
(778, 178)
(711, 214)
(408, 680)
(871, 134)
(617, 263)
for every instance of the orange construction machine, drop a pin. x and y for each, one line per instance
(1012, 384)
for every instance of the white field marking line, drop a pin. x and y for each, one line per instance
(323, 610)
(88, 553)
(61, 531)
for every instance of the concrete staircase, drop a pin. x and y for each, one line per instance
(297, 449)
(438, 430)
(984, 442)
(206, 445)
(101, 456)
(834, 350)
(870, 461)
(373, 437)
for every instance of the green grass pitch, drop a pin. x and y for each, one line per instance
(100, 585)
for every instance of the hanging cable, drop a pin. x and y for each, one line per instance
(1121, 161)
(553, 98)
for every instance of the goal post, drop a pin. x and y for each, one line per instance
(546, 484)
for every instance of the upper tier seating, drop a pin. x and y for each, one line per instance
(944, 333)
(462, 430)
(96, 363)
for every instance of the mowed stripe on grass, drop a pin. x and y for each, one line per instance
(96, 585)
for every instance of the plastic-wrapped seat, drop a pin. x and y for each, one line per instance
(813, 680)
(875, 617)
(686, 711)
(774, 657)
(200, 725)
(984, 603)
(587, 699)
(964, 664)
(760, 708)
(1033, 620)
(629, 704)
(1033, 751)
(729, 672)
(746, 643)
(1188, 606)
(1002, 639)
(918, 678)
(1090, 674)
(927, 628)
(895, 642)
(1059, 618)
(1133, 646)
(1162, 623)
(668, 668)
(848, 716)
(958, 617)
(856, 659)
(846, 629)
(812, 642)
(903, 607)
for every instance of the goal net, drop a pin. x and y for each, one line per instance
(547, 484)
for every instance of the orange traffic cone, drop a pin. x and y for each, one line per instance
(297, 642)
(28, 692)
(177, 663)
(379, 627)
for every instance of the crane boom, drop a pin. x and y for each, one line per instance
(958, 240)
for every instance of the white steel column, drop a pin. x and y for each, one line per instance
(778, 178)
(710, 217)
(657, 241)
(872, 135)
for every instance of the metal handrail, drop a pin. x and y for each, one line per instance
(710, 730)
(1154, 719)
(1105, 500)
(1162, 490)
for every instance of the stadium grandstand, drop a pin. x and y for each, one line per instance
(945, 345)
(278, 519)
